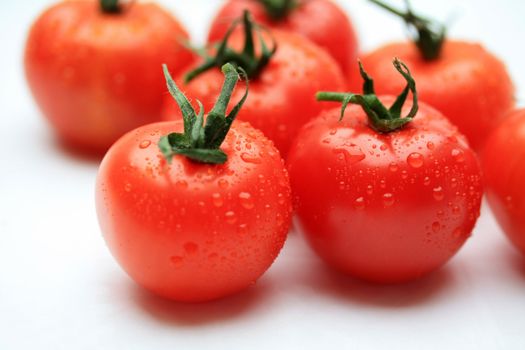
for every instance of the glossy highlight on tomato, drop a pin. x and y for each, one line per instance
(504, 169)
(96, 75)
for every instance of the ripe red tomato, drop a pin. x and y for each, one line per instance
(467, 84)
(384, 206)
(95, 75)
(282, 96)
(321, 21)
(188, 230)
(504, 168)
(462, 80)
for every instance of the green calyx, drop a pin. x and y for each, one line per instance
(381, 119)
(201, 142)
(246, 59)
(429, 35)
(110, 6)
(278, 9)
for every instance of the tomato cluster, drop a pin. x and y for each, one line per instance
(196, 205)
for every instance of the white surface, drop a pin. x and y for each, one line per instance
(60, 288)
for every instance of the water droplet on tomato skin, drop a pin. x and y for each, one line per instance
(246, 200)
(350, 156)
(359, 203)
(230, 216)
(191, 248)
(438, 193)
(388, 199)
(430, 145)
(436, 226)
(217, 200)
(249, 158)
(222, 183)
(177, 261)
(426, 181)
(181, 184)
(144, 144)
(415, 160)
(458, 155)
(127, 187)
(393, 167)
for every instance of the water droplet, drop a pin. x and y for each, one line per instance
(458, 155)
(280, 199)
(369, 189)
(217, 199)
(383, 147)
(327, 141)
(436, 226)
(177, 261)
(127, 187)
(430, 145)
(246, 200)
(182, 184)
(393, 167)
(243, 228)
(415, 160)
(404, 174)
(144, 144)
(438, 193)
(456, 210)
(333, 132)
(223, 183)
(249, 158)
(426, 181)
(231, 218)
(388, 199)
(261, 178)
(351, 155)
(342, 185)
(191, 248)
(359, 203)
(508, 202)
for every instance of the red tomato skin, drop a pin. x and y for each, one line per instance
(320, 21)
(504, 169)
(188, 231)
(282, 98)
(467, 84)
(386, 208)
(96, 76)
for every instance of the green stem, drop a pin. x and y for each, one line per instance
(110, 6)
(381, 119)
(246, 59)
(201, 142)
(277, 10)
(429, 35)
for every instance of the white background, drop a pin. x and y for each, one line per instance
(61, 289)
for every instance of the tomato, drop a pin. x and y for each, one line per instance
(504, 169)
(282, 94)
(386, 206)
(96, 75)
(321, 21)
(188, 230)
(463, 80)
